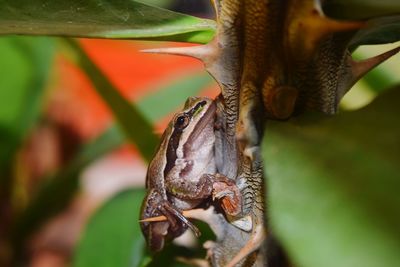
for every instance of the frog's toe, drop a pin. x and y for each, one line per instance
(222, 194)
(156, 238)
(229, 196)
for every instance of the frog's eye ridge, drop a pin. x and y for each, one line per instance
(182, 121)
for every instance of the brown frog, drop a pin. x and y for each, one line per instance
(183, 174)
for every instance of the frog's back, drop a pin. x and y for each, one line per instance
(155, 171)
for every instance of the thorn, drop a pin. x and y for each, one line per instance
(201, 52)
(360, 68)
(308, 20)
(355, 70)
(318, 27)
(328, 25)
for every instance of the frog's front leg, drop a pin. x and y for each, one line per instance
(227, 192)
(216, 186)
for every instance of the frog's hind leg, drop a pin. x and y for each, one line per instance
(156, 232)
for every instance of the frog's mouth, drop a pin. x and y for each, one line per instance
(206, 120)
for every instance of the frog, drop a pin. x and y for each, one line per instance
(182, 174)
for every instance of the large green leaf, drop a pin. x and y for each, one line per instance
(121, 19)
(113, 236)
(383, 25)
(378, 31)
(333, 185)
(360, 9)
(61, 186)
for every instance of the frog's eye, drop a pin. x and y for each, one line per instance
(181, 121)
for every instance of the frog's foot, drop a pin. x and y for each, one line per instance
(229, 195)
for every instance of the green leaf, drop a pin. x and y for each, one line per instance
(25, 68)
(54, 195)
(382, 26)
(117, 19)
(159, 3)
(377, 31)
(113, 236)
(333, 185)
(360, 9)
(130, 119)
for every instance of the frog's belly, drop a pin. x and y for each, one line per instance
(185, 204)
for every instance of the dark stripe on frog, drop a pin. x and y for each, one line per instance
(174, 140)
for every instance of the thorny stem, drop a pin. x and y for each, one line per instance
(272, 59)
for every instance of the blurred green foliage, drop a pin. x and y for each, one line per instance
(25, 66)
(117, 241)
(333, 185)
